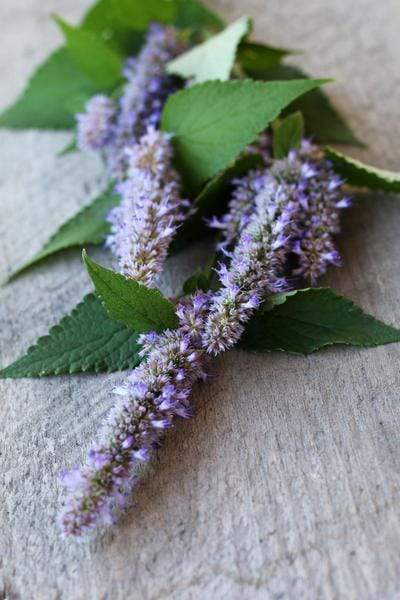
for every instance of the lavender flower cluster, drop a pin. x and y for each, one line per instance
(288, 210)
(139, 157)
(153, 395)
(145, 221)
(111, 127)
(311, 192)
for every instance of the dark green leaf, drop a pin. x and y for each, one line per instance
(85, 340)
(200, 280)
(256, 58)
(307, 320)
(321, 118)
(44, 102)
(138, 14)
(359, 174)
(87, 227)
(69, 148)
(99, 62)
(103, 19)
(129, 302)
(214, 58)
(288, 134)
(212, 200)
(214, 121)
(191, 14)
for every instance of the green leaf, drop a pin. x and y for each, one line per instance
(255, 58)
(69, 148)
(85, 340)
(138, 14)
(43, 104)
(307, 320)
(214, 58)
(359, 174)
(87, 227)
(129, 302)
(212, 200)
(100, 63)
(288, 134)
(321, 118)
(103, 19)
(194, 15)
(200, 280)
(47, 99)
(214, 121)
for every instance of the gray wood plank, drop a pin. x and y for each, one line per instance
(286, 484)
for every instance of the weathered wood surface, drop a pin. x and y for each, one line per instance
(286, 485)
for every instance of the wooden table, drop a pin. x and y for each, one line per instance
(286, 484)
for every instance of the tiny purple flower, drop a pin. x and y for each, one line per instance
(95, 125)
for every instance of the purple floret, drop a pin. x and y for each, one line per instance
(147, 403)
(151, 208)
(95, 125)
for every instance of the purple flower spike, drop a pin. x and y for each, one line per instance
(291, 215)
(289, 208)
(144, 223)
(147, 88)
(311, 195)
(254, 271)
(137, 422)
(95, 125)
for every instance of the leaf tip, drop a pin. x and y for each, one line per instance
(58, 20)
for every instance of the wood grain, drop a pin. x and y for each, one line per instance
(286, 485)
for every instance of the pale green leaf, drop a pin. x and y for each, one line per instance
(214, 58)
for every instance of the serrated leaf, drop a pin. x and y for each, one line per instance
(214, 58)
(214, 121)
(288, 134)
(45, 101)
(194, 15)
(43, 104)
(47, 98)
(255, 58)
(138, 14)
(85, 340)
(129, 302)
(86, 227)
(359, 174)
(100, 63)
(307, 320)
(322, 120)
